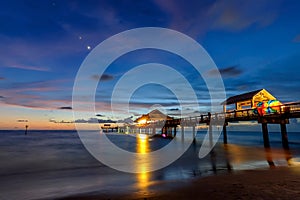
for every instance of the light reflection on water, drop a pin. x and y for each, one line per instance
(242, 157)
(222, 158)
(142, 144)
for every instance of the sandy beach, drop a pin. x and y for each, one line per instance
(273, 183)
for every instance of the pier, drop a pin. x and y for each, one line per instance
(109, 127)
(284, 112)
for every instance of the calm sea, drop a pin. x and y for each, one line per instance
(53, 164)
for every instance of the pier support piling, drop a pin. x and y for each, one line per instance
(284, 137)
(163, 131)
(194, 133)
(265, 135)
(224, 134)
(26, 128)
(153, 130)
(210, 129)
(169, 130)
(210, 134)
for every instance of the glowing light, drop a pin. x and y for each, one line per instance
(143, 136)
(89, 47)
(142, 144)
(143, 179)
(143, 148)
(143, 162)
(293, 161)
(263, 108)
(142, 121)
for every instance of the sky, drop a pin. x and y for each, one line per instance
(254, 44)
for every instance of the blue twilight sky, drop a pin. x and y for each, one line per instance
(255, 44)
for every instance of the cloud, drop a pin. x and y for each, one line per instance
(94, 121)
(151, 102)
(126, 120)
(95, 77)
(279, 77)
(60, 122)
(32, 101)
(49, 94)
(39, 86)
(91, 120)
(186, 17)
(200, 17)
(173, 109)
(35, 68)
(65, 108)
(2, 78)
(230, 71)
(104, 77)
(233, 15)
(22, 120)
(297, 38)
(2, 97)
(52, 120)
(106, 121)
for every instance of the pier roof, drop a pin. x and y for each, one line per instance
(154, 115)
(241, 97)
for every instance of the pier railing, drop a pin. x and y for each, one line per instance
(279, 115)
(288, 110)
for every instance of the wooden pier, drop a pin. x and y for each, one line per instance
(287, 111)
(109, 127)
(283, 113)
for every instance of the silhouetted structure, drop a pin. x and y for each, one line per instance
(26, 127)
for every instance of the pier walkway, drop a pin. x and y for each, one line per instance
(285, 112)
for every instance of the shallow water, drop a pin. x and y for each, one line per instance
(52, 164)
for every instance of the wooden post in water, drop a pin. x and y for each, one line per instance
(224, 134)
(284, 137)
(182, 132)
(210, 134)
(26, 127)
(265, 135)
(175, 131)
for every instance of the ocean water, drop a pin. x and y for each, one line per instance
(54, 164)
